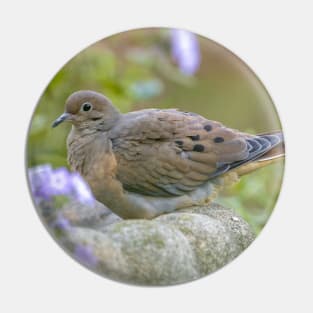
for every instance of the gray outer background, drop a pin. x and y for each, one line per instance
(273, 274)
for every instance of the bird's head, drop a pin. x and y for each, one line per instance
(87, 109)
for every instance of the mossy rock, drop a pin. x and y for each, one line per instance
(173, 248)
(141, 252)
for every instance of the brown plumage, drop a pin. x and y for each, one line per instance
(144, 163)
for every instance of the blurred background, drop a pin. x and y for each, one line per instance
(165, 68)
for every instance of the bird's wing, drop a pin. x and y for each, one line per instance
(168, 153)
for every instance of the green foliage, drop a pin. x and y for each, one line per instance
(122, 80)
(255, 195)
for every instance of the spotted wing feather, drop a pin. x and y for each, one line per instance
(169, 153)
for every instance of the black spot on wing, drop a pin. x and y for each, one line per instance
(208, 127)
(195, 137)
(198, 148)
(218, 139)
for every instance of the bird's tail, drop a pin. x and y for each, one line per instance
(277, 153)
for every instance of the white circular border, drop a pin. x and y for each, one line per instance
(272, 39)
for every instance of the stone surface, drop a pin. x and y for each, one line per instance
(141, 252)
(208, 237)
(170, 249)
(95, 217)
(238, 229)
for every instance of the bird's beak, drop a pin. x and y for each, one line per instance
(64, 117)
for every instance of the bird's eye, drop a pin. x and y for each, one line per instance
(86, 106)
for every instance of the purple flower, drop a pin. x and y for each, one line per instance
(46, 183)
(81, 191)
(185, 50)
(85, 255)
(59, 182)
(62, 223)
(38, 177)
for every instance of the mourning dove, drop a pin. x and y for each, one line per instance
(148, 162)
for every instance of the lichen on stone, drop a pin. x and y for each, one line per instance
(173, 248)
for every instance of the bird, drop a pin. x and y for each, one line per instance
(154, 161)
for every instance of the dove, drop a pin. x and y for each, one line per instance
(154, 161)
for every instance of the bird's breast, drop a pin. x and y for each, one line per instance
(90, 155)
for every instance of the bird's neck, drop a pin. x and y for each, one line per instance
(85, 144)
